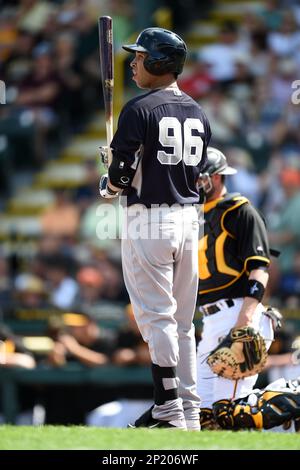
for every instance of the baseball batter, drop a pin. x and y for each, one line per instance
(159, 149)
(234, 256)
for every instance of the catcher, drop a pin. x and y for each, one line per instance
(234, 256)
(277, 405)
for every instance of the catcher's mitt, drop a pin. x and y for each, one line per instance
(240, 354)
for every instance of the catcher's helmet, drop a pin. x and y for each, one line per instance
(216, 165)
(166, 51)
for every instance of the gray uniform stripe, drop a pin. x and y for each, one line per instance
(138, 177)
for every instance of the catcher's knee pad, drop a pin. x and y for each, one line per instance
(207, 420)
(265, 409)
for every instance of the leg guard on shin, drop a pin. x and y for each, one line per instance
(165, 384)
(207, 420)
(261, 409)
(230, 414)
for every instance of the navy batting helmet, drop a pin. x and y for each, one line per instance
(166, 51)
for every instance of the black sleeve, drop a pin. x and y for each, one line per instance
(126, 146)
(249, 228)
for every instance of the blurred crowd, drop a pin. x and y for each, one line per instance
(65, 280)
(75, 338)
(71, 280)
(49, 61)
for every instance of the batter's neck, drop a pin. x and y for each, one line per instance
(164, 82)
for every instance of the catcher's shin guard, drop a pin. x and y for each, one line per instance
(265, 409)
(207, 420)
(230, 414)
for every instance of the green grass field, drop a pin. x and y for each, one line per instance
(88, 438)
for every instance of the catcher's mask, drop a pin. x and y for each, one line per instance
(216, 165)
(166, 51)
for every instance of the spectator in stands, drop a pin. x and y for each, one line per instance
(84, 26)
(285, 234)
(289, 286)
(69, 73)
(264, 111)
(19, 63)
(279, 208)
(100, 225)
(260, 59)
(8, 35)
(221, 56)
(285, 133)
(13, 353)
(62, 219)
(286, 40)
(271, 14)
(6, 286)
(63, 288)
(224, 114)
(78, 338)
(130, 350)
(122, 13)
(284, 355)
(30, 295)
(82, 339)
(32, 15)
(88, 193)
(91, 288)
(198, 82)
(48, 245)
(240, 87)
(283, 76)
(247, 181)
(40, 90)
(114, 287)
(111, 288)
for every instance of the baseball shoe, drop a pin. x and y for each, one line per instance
(193, 424)
(147, 421)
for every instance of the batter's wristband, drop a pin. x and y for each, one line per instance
(110, 191)
(255, 289)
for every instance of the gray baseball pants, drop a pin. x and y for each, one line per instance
(160, 266)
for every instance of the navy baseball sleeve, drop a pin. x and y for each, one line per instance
(125, 146)
(207, 137)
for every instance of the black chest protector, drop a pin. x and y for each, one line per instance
(219, 263)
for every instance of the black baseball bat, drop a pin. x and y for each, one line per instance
(107, 74)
